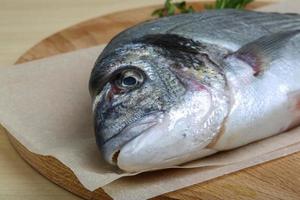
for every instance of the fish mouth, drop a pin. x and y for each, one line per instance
(111, 148)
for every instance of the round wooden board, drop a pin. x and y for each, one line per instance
(278, 179)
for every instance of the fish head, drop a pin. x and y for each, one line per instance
(152, 106)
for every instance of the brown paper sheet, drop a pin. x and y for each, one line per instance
(46, 106)
(149, 185)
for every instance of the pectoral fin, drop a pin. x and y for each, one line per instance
(259, 53)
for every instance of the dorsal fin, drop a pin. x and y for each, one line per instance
(263, 50)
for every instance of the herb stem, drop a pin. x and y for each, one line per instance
(172, 8)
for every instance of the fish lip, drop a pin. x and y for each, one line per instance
(111, 148)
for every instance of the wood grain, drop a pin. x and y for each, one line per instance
(278, 179)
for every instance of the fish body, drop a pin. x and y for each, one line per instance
(179, 88)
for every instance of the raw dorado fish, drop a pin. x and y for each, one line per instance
(179, 88)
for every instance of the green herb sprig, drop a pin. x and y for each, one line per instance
(223, 4)
(173, 8)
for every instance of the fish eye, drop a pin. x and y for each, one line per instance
(129, 79)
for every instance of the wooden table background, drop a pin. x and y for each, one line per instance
(22, 24)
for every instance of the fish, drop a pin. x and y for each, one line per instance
(172, 90)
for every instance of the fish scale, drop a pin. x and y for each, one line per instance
(212, 81)
(202, 25)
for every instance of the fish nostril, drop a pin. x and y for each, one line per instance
(115, 157)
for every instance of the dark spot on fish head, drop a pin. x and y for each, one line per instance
(136, 84)
(130, 85)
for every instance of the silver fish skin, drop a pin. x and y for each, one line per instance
(172, 90)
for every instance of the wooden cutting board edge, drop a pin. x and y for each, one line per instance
(98, 31)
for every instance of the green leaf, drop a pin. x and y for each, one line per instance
(181, 5)
(236, 4)
(190, 9)
(172, 8)
(158, 12)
